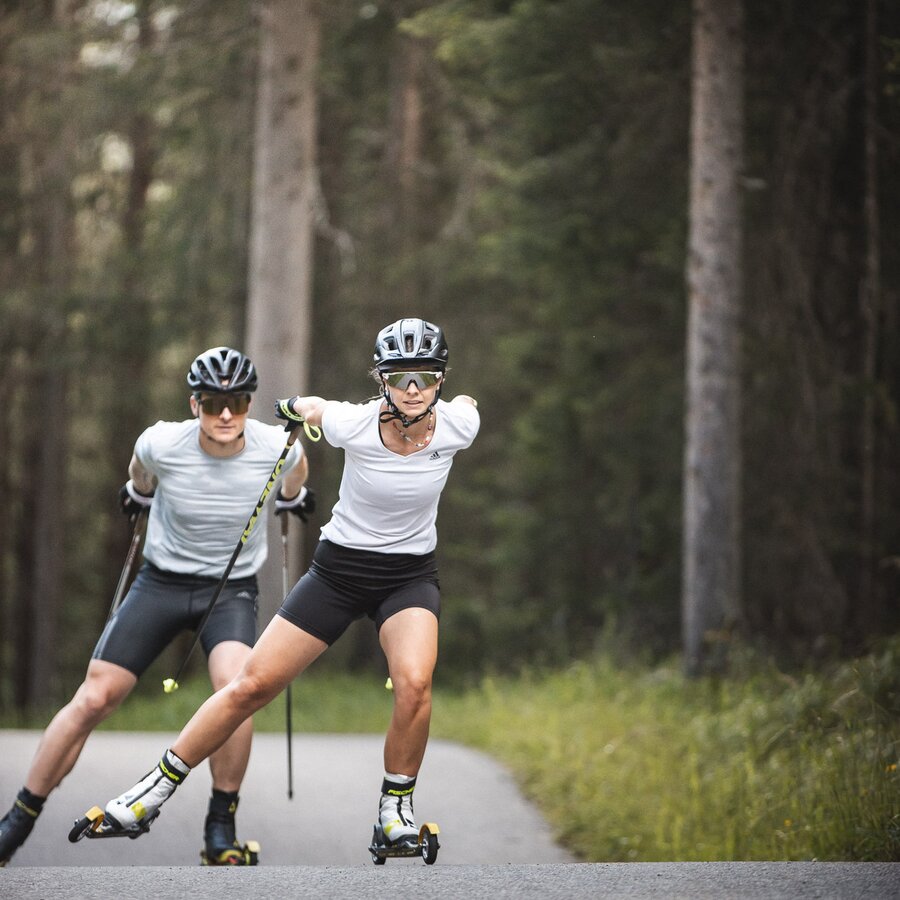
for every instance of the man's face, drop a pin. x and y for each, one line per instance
(222, 416)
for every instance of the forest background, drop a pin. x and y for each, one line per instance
(517, 172)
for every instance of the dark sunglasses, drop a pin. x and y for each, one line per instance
(402, 380)
(214, 405)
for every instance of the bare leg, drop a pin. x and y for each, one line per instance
(282, 652)
(104, 687)
(410, 642)
(229, 763)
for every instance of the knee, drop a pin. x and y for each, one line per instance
(249, 692)
(94, 701)
(413, 689)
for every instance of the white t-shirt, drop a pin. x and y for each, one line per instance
(202, 503)
(388, 503)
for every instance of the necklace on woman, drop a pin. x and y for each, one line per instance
(416, 444)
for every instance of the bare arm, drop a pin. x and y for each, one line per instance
(143, 481)
(295, 478)
(311, 408)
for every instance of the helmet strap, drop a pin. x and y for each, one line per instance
(392, 412)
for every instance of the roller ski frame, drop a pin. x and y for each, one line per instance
(427, 846)
(246, 855)
(93, 825)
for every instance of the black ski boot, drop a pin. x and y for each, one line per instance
(16, 825)
(221, 846)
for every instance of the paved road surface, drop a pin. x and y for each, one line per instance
(482, 816)
(620, 881)
(494, 844)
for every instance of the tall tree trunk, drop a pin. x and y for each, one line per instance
(870, 306)
(405, 138)
(134, 345)
(712, 462)
(52, 265)
(283, 226)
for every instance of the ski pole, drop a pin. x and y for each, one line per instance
(313, 433)
(287, 690)
(140, 524)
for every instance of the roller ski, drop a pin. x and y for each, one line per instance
(16, 825)
(131, 814)
(395, 835)
(95, 824)
(221, 847)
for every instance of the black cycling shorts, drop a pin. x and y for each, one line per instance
(343, 585)
(161, 604)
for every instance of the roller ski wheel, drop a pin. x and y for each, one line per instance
(248, 855)
(426, 846)
(94, 824)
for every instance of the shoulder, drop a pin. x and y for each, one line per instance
(271, 437)
(265, 432)
(461, 414)
(345, 424)
(337, 413)
(166, 434)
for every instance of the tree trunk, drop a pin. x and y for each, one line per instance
(282, 228)
(870, 303)
(52, 265)
(404, 157)
(712, 462)
(134, 345)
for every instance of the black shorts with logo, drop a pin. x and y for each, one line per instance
(160, 605)
(343, 585)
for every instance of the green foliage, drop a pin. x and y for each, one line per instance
(539, 216)
(639, 764)
(574, 253)
(332, 703)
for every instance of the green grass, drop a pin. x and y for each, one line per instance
(631, 763)
(637, 764)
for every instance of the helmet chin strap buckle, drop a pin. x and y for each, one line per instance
(394, 412)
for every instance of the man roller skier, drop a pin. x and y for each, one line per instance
(198, 479)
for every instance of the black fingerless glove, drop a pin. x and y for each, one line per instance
(285, 410)
(303, 505)
(131, 501)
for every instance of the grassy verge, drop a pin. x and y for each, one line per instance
(643, 765)
(640, 764)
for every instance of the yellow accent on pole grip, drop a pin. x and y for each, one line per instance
(313, 432)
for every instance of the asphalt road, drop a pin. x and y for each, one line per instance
(337, 779)
(494, 844)
(621, 881)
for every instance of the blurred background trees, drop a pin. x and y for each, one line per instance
(516, 170)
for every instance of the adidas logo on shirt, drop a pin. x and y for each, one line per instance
(435, 455)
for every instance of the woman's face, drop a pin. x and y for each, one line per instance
(413, 390)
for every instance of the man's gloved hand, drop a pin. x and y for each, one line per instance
(303, 505)
(132, 501)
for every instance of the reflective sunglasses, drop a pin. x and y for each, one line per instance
(402, 380)
(214, 405)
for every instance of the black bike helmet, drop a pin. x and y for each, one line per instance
(410, 341)
(222, 370)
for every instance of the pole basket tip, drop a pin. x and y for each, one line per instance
(170, 685)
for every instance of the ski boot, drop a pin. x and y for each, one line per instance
(220, 844)
(395, 833)
(131, 814)
(15, 827)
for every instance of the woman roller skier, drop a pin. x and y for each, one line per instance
(376, 558)
(198, 479)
